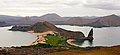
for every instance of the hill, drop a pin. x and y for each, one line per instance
(46, 26)
(105, 21)
(19, 20)
(50, 17)
(79, 21)
(111, 20)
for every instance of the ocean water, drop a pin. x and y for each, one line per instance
(14, 38)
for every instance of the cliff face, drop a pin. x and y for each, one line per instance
(46, 26)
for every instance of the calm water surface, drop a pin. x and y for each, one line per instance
(108, 36)
(14, 38)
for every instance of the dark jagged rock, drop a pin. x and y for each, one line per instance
(20, 28)
(90, 35)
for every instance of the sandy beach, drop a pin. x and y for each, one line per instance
(40, 36)
(70, 41)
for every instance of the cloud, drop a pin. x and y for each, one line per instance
(77, 7)
(99, 4)
(43, 2)
(57, 2)
(102, 4)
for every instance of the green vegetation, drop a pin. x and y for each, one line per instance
(55, 40)
(59, 42)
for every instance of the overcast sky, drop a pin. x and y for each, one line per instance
(61, 7)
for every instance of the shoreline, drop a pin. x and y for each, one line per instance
(70, 41)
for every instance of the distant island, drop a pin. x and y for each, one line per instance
(93, 21)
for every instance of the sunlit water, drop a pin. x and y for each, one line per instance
(108, 36)
(14, 38)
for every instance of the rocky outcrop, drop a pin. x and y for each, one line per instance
(90, 35)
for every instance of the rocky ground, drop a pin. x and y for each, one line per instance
(91, 51)
(28, 51)
(115, 50)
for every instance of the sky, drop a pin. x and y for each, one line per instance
(61, 7)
